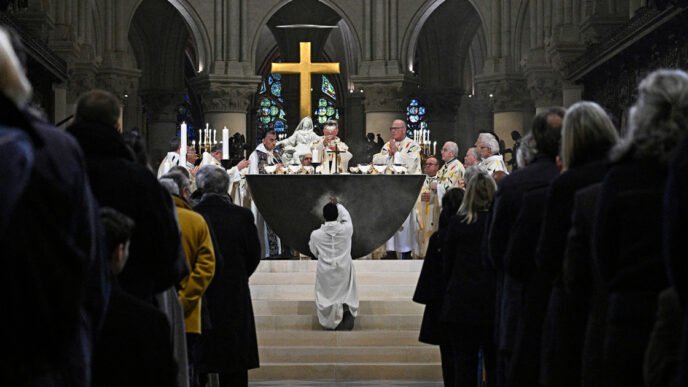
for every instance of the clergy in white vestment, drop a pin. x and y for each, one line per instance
(451, 172)
(237, 179)
(265, 155)
(401, 150)
(336, 295)
(171, 160)
(427, 209)
(330, 150)
(488, 147)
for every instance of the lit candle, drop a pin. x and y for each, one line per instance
(182, 146)
(214, 136)
(434, 147)
(200, 137)
(225, 144)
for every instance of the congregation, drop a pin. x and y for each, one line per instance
(566, 271)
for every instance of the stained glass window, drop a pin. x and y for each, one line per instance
(270, 113)
(415, 117)
(327, 103)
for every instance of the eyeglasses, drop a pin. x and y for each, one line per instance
(430, 164)
(308, 158)
(396, 127)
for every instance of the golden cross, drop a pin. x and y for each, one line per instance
(305, 68)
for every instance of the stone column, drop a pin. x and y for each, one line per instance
(442, 107)
(225, 102)
(354, 132)
(124, 83)
(383, 104)
(544, 85)
(162, 120)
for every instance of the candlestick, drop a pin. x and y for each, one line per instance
(225, 143)
(182, 146)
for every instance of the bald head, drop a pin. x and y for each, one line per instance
(398, 130)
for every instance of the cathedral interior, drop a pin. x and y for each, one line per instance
(455, 67)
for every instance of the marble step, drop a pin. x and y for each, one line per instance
(323, 338)
(403, 354)
(307, 307)
(307, 292)
(362, 266)
(333, 372)
(308, 278)
(363, 322)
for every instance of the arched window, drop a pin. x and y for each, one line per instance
(271, 114)
(327, 103)
(415, 117)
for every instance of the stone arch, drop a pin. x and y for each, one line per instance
(195, 25)
(352, 42)
(522, 22)
(410, 40)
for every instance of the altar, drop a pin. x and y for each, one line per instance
(378, 204)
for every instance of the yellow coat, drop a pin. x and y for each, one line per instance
(200, 256)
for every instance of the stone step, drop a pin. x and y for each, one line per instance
(323, 338)
(404, 354)
(430, 372)
(307, 292)
(362, 266)
(307, 307)
(363, 322)
(308, 278)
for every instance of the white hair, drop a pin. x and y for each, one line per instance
(489, 141)
(452, 147)
(169, 185)
(13, 81)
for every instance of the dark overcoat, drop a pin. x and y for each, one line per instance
(231, 344)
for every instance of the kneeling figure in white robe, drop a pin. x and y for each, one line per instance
(335, 278)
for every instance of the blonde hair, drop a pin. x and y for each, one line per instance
(13, 82)
(587, 134)
(480, 190)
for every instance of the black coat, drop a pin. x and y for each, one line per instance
(565, 322)
(469, 297)
(520, 264)
(626, 238)
(676, 230)
(432, 285)
(507, 204)
(231, 345)
(135, 348)
(54, 275)
(584, 286)
(117, 181)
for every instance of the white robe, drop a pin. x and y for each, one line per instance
(335, 277)
(494, 163)
(170, 161)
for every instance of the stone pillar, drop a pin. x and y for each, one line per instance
(383, 104)
(59, 103)
(571, 93)
(442, 107)
(162, 120)
(354, 131)
(544, 86)
(124, 83)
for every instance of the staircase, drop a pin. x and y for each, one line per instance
(383, 348)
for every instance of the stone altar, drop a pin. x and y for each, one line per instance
(378, 204)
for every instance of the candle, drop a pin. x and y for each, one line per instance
(182, 146)
(214, 136)
(225, 143)
(200, 137)
(434, 147)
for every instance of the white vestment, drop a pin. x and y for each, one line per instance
(326, 157)
(335, 277)
(408, 155)
(208, 159)
(170, 161)
(261, 224)
(494, 163)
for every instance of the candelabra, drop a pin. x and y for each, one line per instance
(422, 137)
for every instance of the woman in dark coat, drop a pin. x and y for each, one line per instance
(587, 136)
(627, 237)
(231, 346)
(469, 299)
(431, 285)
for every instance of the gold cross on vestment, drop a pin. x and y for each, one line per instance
(305, 68)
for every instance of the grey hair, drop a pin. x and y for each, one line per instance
(472, 171)
(212, 179)
(452, 147)
(13, 82)
(169, 185)
(490, 141)
(658, 119)
(479, 193)
(526, 151)
(179, 179)
(475, 152)
(587, 134)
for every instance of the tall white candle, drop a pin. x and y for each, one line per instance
(182, 146)
(214, 136)
(200, 137)
(225, 143)
(434, 147)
